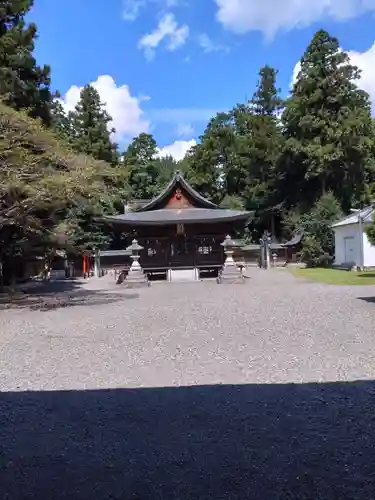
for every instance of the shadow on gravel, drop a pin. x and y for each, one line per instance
(49, 295)
(259, 442)
(370, 300)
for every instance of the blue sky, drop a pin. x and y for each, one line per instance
(166, 66)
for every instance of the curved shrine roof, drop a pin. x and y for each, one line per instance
(179, 216)
(178, 203)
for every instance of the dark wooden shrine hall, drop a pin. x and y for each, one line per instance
(180, 229)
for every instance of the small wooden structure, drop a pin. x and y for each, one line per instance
(294, 246)
(179, 230)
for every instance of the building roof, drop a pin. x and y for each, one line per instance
(178, 216)
(178, 178)
(366, 215)
(295, 240)
(159, 212)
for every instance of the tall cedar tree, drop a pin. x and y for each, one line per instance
(142, 167)
(210, 160)
(259, 141)
(23, 84)
(86, 129)
(266, 100)
(327, 126)
(237, 153)
(265, 140)
(90, 127)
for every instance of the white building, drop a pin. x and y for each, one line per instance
(352, 247)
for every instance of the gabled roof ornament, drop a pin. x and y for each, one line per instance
(168, 191)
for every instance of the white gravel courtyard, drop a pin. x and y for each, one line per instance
(191, 390)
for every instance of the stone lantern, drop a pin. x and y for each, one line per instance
(136, 277)
(230, 273)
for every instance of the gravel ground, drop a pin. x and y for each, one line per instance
(189, 391)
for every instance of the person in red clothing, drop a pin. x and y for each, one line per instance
(84, 266)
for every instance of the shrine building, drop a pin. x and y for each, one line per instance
(180, 230)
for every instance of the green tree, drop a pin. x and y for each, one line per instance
(370, 231)
(232, 202)
(142, 166)
(62, 122)
(318, 241)
(266, 100)
(87, 131)
(166, 167)
(43, 190)
(90, 127)
(237, 154)
(327, 127)
(250, 175)
(209, 161)
(141, 151)
(23, 84)
(265, 141)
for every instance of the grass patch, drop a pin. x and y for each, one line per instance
(335, 276)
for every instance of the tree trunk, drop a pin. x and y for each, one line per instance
(323, 185)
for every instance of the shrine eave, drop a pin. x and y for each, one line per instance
(178, 216)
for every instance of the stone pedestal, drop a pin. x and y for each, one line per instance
(136, 278)
(231, 273)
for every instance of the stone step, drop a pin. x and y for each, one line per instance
(182, 275)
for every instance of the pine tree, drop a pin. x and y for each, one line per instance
(90, 127)
(23, 84)
(62, 122)
(327, 126)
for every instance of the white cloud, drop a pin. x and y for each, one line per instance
(365, 62)
(125, 109)
(270, 16)
(209, 45)
(129, 120)
(178, 149)
(296, 70)
(131, 9)
(167, 29)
